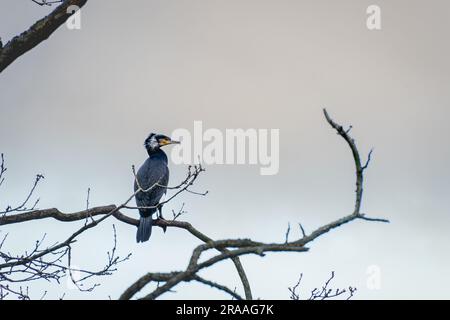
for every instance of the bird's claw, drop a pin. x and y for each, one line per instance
(164, 226)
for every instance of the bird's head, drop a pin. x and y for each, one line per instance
(155, 141)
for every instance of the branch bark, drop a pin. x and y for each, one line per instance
(113, 210)
(37, 33)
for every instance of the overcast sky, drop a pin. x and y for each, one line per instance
(78, 107)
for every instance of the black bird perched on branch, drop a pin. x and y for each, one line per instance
(152, 177)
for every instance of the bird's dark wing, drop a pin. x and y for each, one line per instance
(150, 173)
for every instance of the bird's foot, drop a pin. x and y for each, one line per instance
(164, 227)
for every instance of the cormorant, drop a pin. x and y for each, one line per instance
(153, 172)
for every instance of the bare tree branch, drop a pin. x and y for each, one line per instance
(218, 286)
(22, 206)
(242, 247)
(357, 159)
(323, 293)
(227, 249)
(38, 32)
(2, 169)
(46, 2)
(192, 175)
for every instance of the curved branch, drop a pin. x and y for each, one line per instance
(247, 246)
(190, 272)
(217, 286)
(164, 277)
(359, 169)
(103, 210)
(229, 249)
(359, 187)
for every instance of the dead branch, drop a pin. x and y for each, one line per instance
(227, 249)
(192, 174)
(324, 293)
(38, 32)
(46, 2)
(240, 247)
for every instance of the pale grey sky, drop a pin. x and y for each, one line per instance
(78, 107)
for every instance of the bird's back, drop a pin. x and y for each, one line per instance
(153, 171)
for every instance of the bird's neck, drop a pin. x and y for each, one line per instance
(156, 153)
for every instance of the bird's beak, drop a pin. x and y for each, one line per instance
(168, 141)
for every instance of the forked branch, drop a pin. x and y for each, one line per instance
(226, 249)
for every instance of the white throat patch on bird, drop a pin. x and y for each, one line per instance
(155, 141)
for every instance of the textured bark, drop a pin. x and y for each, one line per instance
(37, 33)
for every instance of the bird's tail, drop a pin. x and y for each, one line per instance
(144, 229)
